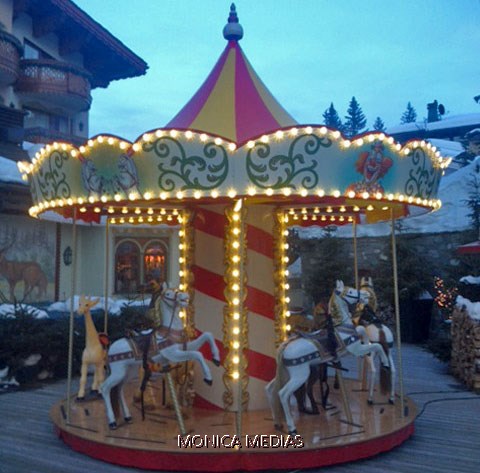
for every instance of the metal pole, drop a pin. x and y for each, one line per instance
(238, 416)
(72, 310)
(105, 284)
(176, 405)
(343, 393)
(355, 255)
(397, 314)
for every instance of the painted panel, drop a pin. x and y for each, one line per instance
(27, 259)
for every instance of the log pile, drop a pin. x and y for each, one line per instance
(465, 362)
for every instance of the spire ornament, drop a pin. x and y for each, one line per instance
(233, 30)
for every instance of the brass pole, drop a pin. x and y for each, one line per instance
(343, 393)
(397, 315)
(241, 236)
(176, 405)
(72, 310)
(105, 284)
(355, 256)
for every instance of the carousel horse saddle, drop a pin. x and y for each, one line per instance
(144, 343)
(327, 343)
(330, 343)
(367, 317)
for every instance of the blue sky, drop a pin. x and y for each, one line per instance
(308, 52)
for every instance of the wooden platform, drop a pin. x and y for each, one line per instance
(446, 438)
(154, 443)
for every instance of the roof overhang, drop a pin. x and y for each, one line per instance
(105, 56)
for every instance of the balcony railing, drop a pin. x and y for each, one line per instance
(10, 52)
(40, 134)
(54, 86)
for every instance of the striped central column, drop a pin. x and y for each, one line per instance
(209, 272)
(260, 303)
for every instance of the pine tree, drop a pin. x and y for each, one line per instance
(378, 125)
(331, 118)
(355, 120)
(409, 115)
(473, 201)
(321, 282)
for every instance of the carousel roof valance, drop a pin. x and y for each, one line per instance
(234, 140)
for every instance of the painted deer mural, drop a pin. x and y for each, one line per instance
(30, 272)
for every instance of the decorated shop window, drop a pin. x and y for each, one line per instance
(154, 263)
(127, 267)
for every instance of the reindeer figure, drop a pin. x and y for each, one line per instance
(94, 352)
(30, 272)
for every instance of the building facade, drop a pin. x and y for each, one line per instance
(52, 54)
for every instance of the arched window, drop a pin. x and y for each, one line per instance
(127, 268)
(154, 263)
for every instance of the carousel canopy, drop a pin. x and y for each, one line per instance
(231, 141)
(233, 102)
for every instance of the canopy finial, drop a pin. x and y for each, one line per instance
(233, 30)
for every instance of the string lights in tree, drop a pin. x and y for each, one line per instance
(445, 298)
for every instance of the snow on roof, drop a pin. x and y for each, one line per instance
(451, 121)
(447, 148)
(451, 217)
(9, 171)
(32, 148)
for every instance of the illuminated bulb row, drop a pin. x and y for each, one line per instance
(283, 328)
(235, 285)
(345, 143)
(99, 140)
(320, 218)
(183, 259)
(189, 135)
(168, 219)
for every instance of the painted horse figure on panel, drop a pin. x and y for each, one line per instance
(296, 355)
(165, 344)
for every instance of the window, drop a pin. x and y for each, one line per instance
(59, 123)
(38, 118)
(154, 263)
(138, 261)
(127, 275)
(32, 51)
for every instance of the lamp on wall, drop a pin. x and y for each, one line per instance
(67, 256)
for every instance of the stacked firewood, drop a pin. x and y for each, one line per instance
(465, 362)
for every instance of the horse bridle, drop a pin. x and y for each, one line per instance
(343, 293)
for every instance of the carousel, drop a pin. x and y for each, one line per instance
(233, 171)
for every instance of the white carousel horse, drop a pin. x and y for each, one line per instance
(371, 329)
(169, 346)
(298, 353)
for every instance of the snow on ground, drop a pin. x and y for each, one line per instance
(452, 216)
(473, 308)
(470, 280)
(115, 306)
(295, 269)
(8, 311)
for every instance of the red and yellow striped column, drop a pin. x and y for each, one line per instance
(235, 294)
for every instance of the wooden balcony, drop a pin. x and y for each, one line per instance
(10, 52)
(54, 86)
(40, 134)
